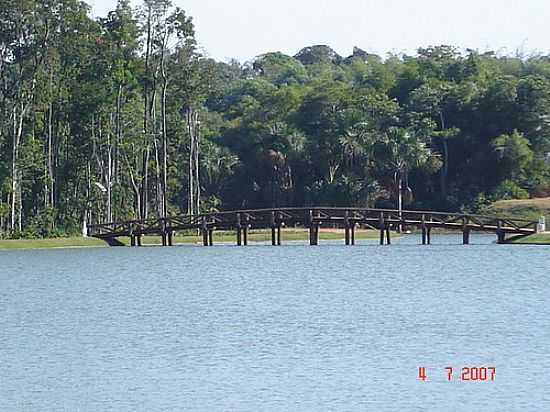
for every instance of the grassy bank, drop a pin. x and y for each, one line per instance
(50, 243)
(219, 237)
(530, 209)
(538, 239)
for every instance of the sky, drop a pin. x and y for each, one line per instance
(243, 29)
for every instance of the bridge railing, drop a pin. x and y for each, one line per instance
(265, 218)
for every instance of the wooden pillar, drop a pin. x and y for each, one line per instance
(279, 235)
(347, 228)
(246, 226)
(131, 234)
(170, 238)
(314, 235)
(273, 229)
(423, 227)
(204, 232)
(501, 235)
(211, 237)
(273, 235)
(388, 238)
(353, 234)
(245, 235)
(313, 230)
(429, 235)
(163, 239)
(140, 240)
(239, 228)
(465, 231)
(382, 227)
(466, 236)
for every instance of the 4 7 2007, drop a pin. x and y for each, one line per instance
(480, 374)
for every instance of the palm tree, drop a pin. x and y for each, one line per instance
(354, 142)
(401, 150)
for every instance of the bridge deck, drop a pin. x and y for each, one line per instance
(312, 217)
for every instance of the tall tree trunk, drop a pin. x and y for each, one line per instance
(118, 127)
(146, 120)
(51, 179)
(16, 207)
(193, 205)
(445, 168)
(164, 200)
(158, 191)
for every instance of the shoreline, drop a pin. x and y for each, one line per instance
(223, 238)
(288, 235)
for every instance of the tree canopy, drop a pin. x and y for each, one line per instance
(123, 117)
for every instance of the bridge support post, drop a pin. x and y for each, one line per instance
(279, 235)
(388, 238)
(429, 235)
(245, 228)
(204, 232)
(273, 235)
(353, 234)
(314, 235)
(382, 227)
(170, 238)
(211, 237)
(423, 227)
(501, 235)
(273, 229)
(131, 234)
(466, 236)
(347, 228)
(238, 227)
(163, 238)
(465, 231)
(245, 235)
(139, 239)
(313, 230)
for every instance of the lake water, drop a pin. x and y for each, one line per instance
(261, 328)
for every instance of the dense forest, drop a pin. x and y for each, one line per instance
(126, 117)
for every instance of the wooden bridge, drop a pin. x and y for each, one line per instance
(348, 219)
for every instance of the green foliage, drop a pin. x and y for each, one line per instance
(94, 112)
(507, 190)
(514, 154)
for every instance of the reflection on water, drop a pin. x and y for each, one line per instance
(275, 328)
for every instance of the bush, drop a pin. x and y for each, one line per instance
(508, 190)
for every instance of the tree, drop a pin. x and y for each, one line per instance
(399, 151)
(514, 154)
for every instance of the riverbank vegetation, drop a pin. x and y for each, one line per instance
(531, 209)
(538, 239)
(189, 238)
(125, 117)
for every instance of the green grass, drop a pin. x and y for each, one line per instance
(50, 243)
(530, 209)
(538, 239)
(219, 237)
